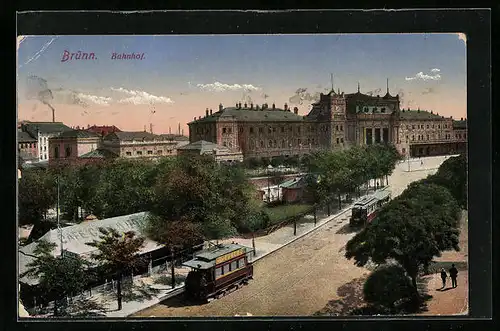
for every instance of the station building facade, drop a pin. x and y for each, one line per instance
(338, 120)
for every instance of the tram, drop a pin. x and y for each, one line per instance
(217, 271)
(365, 210)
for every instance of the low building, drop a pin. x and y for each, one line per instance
(27, 146)
(219, 153)
(42, 132)
(68, 146)
(139, 144)
(97, 155)
(74, 241)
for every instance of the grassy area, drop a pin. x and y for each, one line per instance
(282, 212)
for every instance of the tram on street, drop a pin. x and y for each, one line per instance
(365, 209)
(217, 271)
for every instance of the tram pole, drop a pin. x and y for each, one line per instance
(172, 268)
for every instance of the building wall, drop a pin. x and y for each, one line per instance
(138, 149)
(71, 147)
(29, 148)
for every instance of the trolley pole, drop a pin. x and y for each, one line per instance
(172, 268)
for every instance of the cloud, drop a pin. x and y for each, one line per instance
(103, 101)
(220, 87)
(301, 95)
(140, 97)
(463, 37)
(425, 77)
(429, 90)
(435, 70)
(374, 92)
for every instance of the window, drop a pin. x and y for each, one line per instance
(342, 140)
(446, 126)
(56, 152)
(439, 126)
(234, 265)
(159, 152)
(229, 130)
(383, 110)
(341, 128)
(336, 128)
(262, 144)
(251, 130)
(298, 129)
(282, 129)
(269, 130)
(224, 130)
(261, 130)
(68, 151)
(338, 140)
(241, 130)
(283, 144)
(413, 126)
(465, 136)
(427, 137)
(427, 126)
(240, 263)
(224, 144)
(270, 143)
(275, 143)
(225, 269)
(298, 141)
(412, 138)
(218, 272)
(128, 153)
(150, 152)
(139, 152)
(406, 138)
(274, 129)
(433, 126)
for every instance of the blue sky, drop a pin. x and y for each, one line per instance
(276, 65)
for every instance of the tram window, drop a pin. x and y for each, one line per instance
(241, 263)
(226, 269)
(234, 265)
(218, 272)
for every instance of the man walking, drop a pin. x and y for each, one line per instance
(443, 277)
(453, 275)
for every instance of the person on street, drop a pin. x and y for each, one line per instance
(443, 277)
(453, 275)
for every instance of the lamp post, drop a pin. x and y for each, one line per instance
(409, 160)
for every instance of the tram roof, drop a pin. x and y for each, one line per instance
(206, 258)
(382, 194)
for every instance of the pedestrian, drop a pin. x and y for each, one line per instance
(421, 163)
(443, 277)
(453, 275)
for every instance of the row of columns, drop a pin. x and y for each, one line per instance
(372, 131)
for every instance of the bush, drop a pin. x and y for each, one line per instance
(386, 286)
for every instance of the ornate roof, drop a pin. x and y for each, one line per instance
(251, 115)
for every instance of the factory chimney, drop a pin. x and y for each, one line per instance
(296, 110)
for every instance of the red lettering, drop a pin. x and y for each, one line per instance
(65, 56)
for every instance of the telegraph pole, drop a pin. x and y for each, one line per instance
(408, 161)
(58, 221)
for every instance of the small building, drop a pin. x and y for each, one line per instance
(27, 146)
(295, 190)
(74, 241)
(139, 144)
(68, 146)
(219, 153)
(42, 132)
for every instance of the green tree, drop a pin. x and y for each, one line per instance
(386, 286)
(117, 254)
(199, 190)
(37, 193)
(412, 229)
(174, 234)
(59, 276)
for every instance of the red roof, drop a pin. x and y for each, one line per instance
(103, 129)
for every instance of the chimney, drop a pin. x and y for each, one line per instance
(179, 127)
(199, 117)
(182, 131)
(236, 105)
(286, 106)
(257, 107)
(151, 128)
(245, 105)
(144, 128)
(274, 106)
(193, 120)
(461, 118)
(169, 130)
(295, 110)
(251, 105)
(210, 111)
(239, 105)
(432, 112)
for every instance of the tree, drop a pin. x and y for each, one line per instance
(59, 276)
(386, 286)
(37, 193)
(412, 229)
(174, 234)
(118, 254)
(199, 190)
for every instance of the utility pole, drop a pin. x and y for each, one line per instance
(58, 221)
(408, 161)
(253, 244)
(172, 268)
(331, 78)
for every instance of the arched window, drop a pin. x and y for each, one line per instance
(56, 152)
(68, 151)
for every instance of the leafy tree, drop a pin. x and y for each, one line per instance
(174, 234)
(386, 286)
(277, 161)
(412, 229)
(60, 276)
(37, 193)
(452, 174)
(199, 190)
(118, 254)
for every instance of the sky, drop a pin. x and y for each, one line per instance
(175, 78)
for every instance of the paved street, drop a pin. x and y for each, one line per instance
(300, 278)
